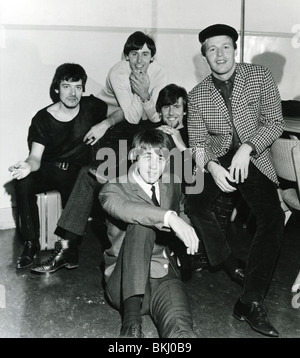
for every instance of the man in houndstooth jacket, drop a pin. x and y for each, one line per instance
(234, 115)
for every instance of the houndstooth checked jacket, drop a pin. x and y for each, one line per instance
(256, 111)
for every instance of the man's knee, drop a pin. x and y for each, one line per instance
(24, 185)
(271, 215)
(139, 233)
(195, 204)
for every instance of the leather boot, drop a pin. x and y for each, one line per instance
(65, 254)
(30, 251)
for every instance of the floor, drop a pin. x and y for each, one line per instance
(71, 303)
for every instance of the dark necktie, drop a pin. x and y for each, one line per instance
(154, 198)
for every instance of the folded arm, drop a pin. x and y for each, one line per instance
(117, 203)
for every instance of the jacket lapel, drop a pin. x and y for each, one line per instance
(218, 100)
(139, 192)
(164, 200)
(239, 83)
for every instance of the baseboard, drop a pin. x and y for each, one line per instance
(7, 218)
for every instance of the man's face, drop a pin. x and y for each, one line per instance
(151, 164)
(70, 93)
(140, 59)
(172, 114)
(220, 54)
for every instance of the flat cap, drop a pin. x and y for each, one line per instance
(218, 30)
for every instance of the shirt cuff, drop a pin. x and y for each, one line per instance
(166, 217)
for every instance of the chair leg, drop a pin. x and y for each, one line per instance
(235, 209)
(233, 215)
(284, 207)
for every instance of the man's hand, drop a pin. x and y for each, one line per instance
(221, 176)
(240, 163)
(175, 133)
(185, 232)
(96, 132)
(20, 170)
(140, 83)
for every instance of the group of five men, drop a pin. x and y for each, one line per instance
(226, 123)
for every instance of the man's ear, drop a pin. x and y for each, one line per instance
(56, 91)
(126, 58)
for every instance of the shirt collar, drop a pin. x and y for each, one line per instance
(218, 83)
(145, 186)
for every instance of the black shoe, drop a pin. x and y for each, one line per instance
(256, 315)
(195, 262)
(64, 255)
(131, 329)
(30, 251)
(239, 276)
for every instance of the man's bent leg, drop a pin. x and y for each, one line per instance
(137, 252)
(170, 308)
(262, 198)
(75, 215)
(200, 210)
(26, 190)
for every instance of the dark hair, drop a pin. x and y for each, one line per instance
(67, 72)
(136, 41)
(203, 47)
(151, 138)
(169, 95)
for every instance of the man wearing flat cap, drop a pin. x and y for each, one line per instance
(234, 116)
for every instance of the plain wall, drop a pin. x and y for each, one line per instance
(38, 35)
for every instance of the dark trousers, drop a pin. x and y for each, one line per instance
(74, 217)
(262, 198)
(165, 298)
(48, 177)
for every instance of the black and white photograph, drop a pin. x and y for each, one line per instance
(150, 171)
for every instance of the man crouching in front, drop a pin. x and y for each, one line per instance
(142, 276)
